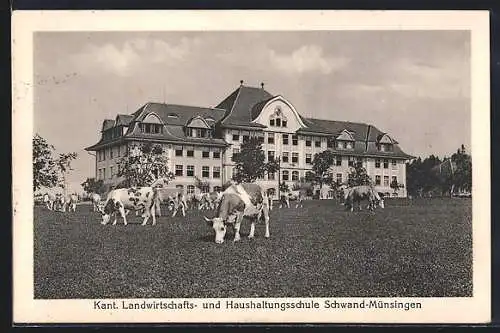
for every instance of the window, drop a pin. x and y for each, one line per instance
(205, 172)
(359, 160)
(246, 138)
(394, 179)
(236, 137)
(285, 175)
(190, 189)
(189, 132)
(338, 160)
(260, 137)
(386, 181)
(308, 142)
(216, 172)
(377, 180)
(340, 145)
(236, 151)
(270, 155)
(271, 122)
(317, 143)
(295, 157)
(329, 143)
(295, 175)
(308, 159)
(179, 170)
(103, 173)
(190, 171)
(270, 138)
(283, 123)
(377, 163)
(205, 154)
(285, 139)
(386, 163)
(151, 128)
(278, 122)
(118, 151)
(339, 178)
(178, 152)
(111, 172)
(295, 140)
(271, 176)
(309, 174)
(348, 145)
(350, 161)
(216, 154)
(394, 164)
(190, 153)
(285, 157)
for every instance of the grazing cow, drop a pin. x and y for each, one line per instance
(49, 199)
(298, 196)
(59, 203)
(239, 201)
(178, 202)
(360, 193)
(214, 199)
(125, 199)
(70, 203)
(96, 199)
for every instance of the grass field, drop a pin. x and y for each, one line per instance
(418, 248)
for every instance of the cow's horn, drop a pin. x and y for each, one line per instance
(209, 221)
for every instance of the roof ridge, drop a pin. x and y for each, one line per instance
(234, 103)
(338, 121)
(190, 106)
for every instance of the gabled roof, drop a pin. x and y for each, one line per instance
(333, 127)
(123, 119)
(107, 124)
(239, 106)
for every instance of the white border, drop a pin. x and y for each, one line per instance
(435, 310)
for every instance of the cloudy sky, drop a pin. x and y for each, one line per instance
(414, 85)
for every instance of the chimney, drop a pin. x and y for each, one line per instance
(262, 85)
(241, 83)
(367, 136)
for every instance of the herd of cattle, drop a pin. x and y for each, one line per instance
(232, 205)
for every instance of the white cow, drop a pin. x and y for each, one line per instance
(238, 201)
(96, 200)
(125, 199)
(70, 203)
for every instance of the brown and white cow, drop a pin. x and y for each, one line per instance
(360, 193)
(239, 201)
(123, 200)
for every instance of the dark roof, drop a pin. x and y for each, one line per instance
(240, 103)
(107, 124)
(184, 113)
(333, 127)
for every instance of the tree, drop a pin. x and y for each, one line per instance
(396, 186)
(358, 176)
(90, 185)
(322, 163)
(47, 170)
(250, 162)
(202, 185)
(462, 177)
(64, 165)
(44, 164)
(143, 164)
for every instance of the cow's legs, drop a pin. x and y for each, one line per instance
(265, 210)
(237, 225)
(153, 210)
(121, 209)
(183, 209)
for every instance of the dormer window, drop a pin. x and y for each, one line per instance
(278, 119)
(198, 128)
(151, 128)
(385, 143)
(345, 140)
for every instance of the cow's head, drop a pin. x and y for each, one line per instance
(106, 211)
(217, 223)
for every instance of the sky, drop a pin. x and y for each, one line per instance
(414, 85)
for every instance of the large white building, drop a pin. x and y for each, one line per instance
(200, 141)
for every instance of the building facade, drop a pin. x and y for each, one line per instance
(201, 141)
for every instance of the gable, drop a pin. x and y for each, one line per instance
(152, 118)
(386, 139)
(278, 107)
(197, 123)
(345, 136)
